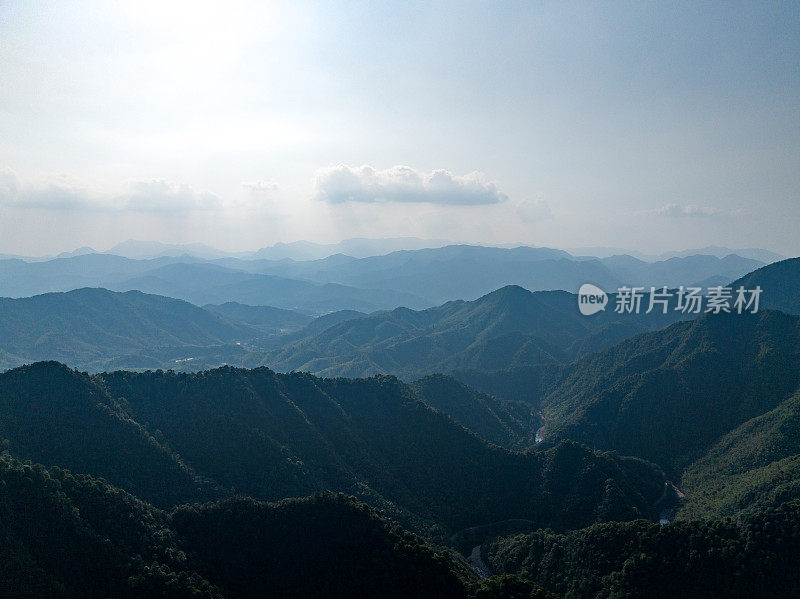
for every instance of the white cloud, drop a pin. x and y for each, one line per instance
(261, 187)
(51, 193)
(162, 196)
(691, 211)
(532, 210)
(343, 183)
(64, 193)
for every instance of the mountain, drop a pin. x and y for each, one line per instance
(468, 272)
(753, 556)
(504, 423)
(206, 283)
(668, 396)
(779, 284)
(68, 535)
(52, 415)
(93, 328)
(754, 466)
(265, 318)
(506, 328)
(274, 436)
(454, 272)
(81, 251)
(144, 250)
(191, 279)
(410, 278)
(759, 254)
(321, 546)
(358, 247)
(686, 270)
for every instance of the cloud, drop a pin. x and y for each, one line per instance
(53, 193)
(158, 195)
(532, 210)
(691, 211)
(63, 193)
(260, 187)
(343, 183)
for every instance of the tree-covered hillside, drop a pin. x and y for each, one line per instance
(755, 556)
(66, 535)
(668, 396)
(755, 465)
(91, 328)
(508, 328)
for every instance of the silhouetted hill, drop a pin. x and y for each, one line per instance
(322, 546)
(752, 557)
(206, 283)
(413, 278)
(68, 535)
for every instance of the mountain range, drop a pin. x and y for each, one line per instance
(410, 278)
(557, 435)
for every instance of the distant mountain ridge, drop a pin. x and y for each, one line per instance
(93, 327)
(508, 327)
(411, 278)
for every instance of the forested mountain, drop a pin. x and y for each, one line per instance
(68, 535)
(90, 328)
(267, 319)
(753, 557)
(509, 424)
(506, 328)
(208, 283)
(52, 415)
(755, 465)
(779, 284)
(667, 396)
(273, 436)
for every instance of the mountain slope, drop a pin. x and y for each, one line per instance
(321, 546)
(778, 282)
(372, 438)
(207, 283)
(55, 416)
(667, 396)
(505, 423)
(90, 327)
(267, 319)
(506, 328)
(274, 436)
(755, 465)
(75, 536)
(754, 557)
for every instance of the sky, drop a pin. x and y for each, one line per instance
(651, 126)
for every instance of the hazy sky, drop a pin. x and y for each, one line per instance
(650, 126)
